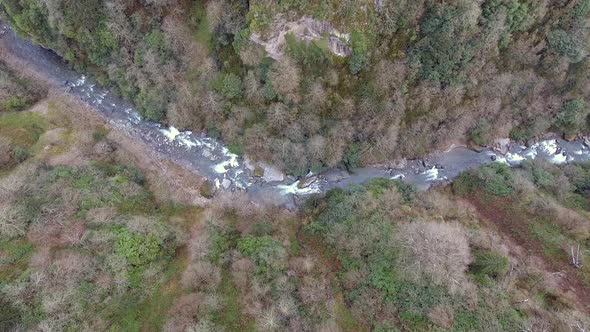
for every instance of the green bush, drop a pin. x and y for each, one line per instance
(357, 63)
(581, 9)
(29, 18)
(14, 103)
(572, 116)
(137, 248)
(517, 13)
(21, 154)
(10, 316)
(266, 252)
(480, 134)
(444, 50)
(221, 243)
(495, 179)
(309, 54)
(566, 44)
(152, 104)
(579, 174)
(128, 172)
(236, 148)
(360, 49)
(378, 186)
(488, 265)
(231, 86)
(352, 156)
(384, 279)
(141, 203)
(269, 92)
(259, 17)
(542, 178)
(156, 41)
(100, 44)
(521, 133)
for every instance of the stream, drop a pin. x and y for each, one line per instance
(228, 171)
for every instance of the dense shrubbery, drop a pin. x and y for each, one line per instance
(445, 48)
(395, 263)
(488, 266)
(494, 179)
(572, 117)
(88, 243)
(108, 238)
(138, 249)
(108, 242)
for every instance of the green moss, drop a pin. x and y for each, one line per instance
(352, 157)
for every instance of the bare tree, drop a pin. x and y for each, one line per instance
(576, 259)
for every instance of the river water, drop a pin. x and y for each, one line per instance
(230, 172)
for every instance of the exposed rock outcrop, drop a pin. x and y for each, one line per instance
(307, 29)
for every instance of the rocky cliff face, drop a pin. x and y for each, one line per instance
(307, 29)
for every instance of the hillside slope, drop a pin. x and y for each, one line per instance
(93, 236)
(312, 84)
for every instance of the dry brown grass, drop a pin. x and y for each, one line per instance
(438, 251)
(184, 314)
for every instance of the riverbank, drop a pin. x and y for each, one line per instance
(227, 171)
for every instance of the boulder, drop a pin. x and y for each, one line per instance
(306, 182)
(400, 164)
(271, 173)
(501, 145)
(336, 175)
(570, 137)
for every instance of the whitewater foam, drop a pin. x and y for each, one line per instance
(170, 133)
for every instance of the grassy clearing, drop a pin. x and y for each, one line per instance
(16, 94)
(22, 128)
(14, 259)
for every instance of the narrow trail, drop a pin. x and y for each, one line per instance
(516, 227)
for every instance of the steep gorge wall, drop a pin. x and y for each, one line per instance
(413, 75)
